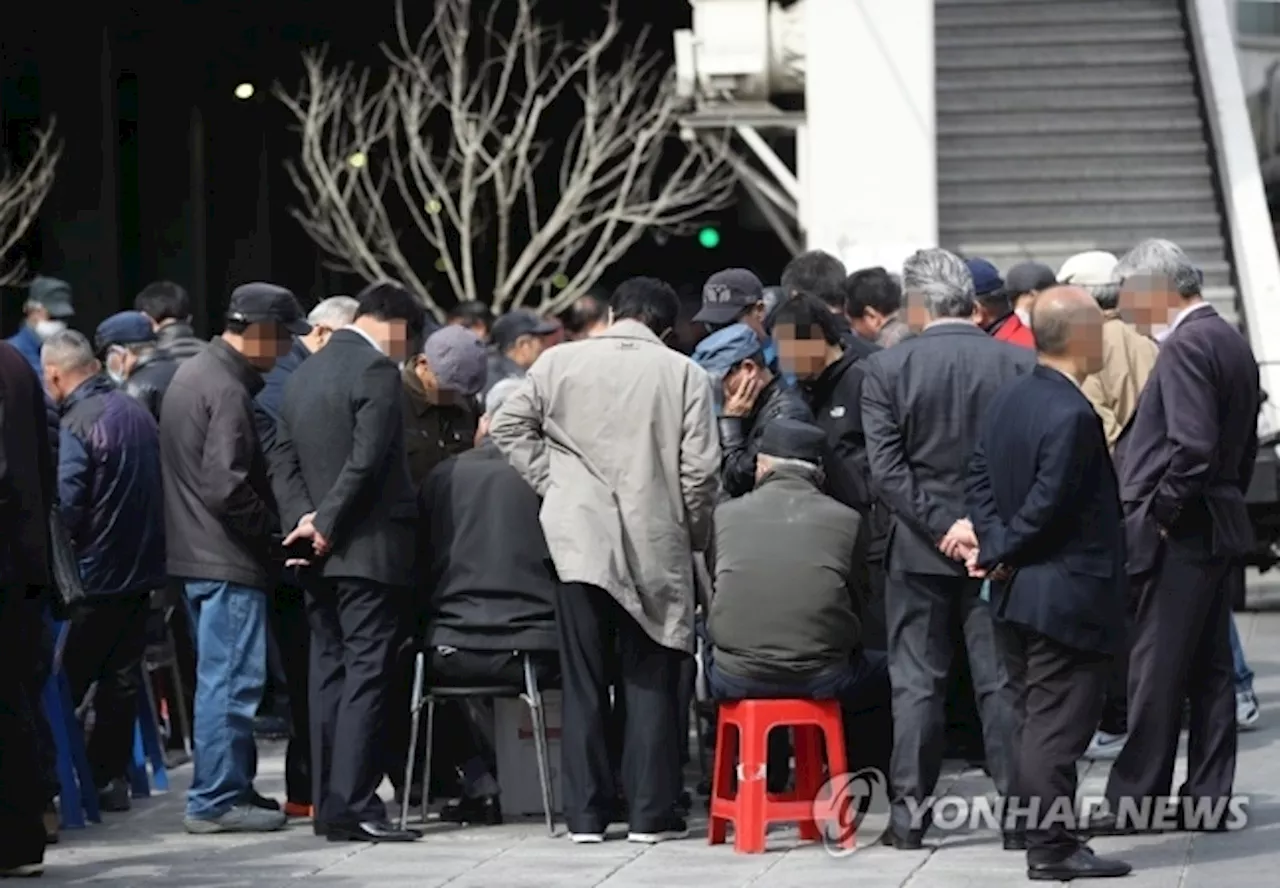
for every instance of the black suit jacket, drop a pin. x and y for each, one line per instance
(340, 453)
(922, 404)
(27, 475)
(1044, 500)
(1187, 454)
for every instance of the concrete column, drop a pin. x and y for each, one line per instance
(871, 149)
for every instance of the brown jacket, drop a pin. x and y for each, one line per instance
(1127, 359)
(433, 432)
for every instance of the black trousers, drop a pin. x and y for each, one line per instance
(288, 615)
(1057, 697)
(875, 633)
(353, 638)
(929, 618)
(22, 791)
(106, 638)
(590, 622)
(1181, 650)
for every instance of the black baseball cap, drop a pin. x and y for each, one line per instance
(727, 294)
(521, 322)
(1029, 277)
(260, 303)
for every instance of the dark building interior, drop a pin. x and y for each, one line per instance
(166, 174)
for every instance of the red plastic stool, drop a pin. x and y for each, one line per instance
(746, 724)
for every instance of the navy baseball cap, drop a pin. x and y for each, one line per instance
(123, 328)
(986, 277)
(727, 294)
(521, 322)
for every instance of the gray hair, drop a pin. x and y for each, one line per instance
(1106, 295)
(943, 280)
(499, 393)
(1163, 258)
(777, 462)
(334, 312)
(68, 350)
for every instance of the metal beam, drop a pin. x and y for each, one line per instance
(730, 116)
(785, 232)
(786, 178)
(760, 181)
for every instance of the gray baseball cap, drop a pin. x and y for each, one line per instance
(458, 358)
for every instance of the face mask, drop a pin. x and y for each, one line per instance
(47, 329)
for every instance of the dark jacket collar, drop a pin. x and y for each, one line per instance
(94, 385)
(236, 365)
(994, 327)
(170, 333)
(949, 327)
(822, 388)
(790, 478)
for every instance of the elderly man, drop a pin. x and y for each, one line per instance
(1023, 283)
(993, 309)
(586, 317)
(751, 397)
(1184, 465)
(169, 308)
(110, 501)
(922, 404)
(289, 642)
(1046, 510)
(617, 433)
(1127, 355)
(518, 337)
(440, 384)
(47, 310)
(788, 534)
(126, 345)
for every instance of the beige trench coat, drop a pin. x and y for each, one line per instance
(617, 433)
(1127, 360)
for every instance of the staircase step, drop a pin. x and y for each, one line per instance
(1065, 36)
(1083, 55)
(954, 20)
(1073, 101)
(1063, 80)
(1064, 120)
(1184, 226)
(1068, 196)
(1066, 174)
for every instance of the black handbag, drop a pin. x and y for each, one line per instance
(66, 567)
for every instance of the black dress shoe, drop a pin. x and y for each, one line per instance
(1079, 864)
(370, 831)
(484, 811)
(1015, 841)
(912, 840)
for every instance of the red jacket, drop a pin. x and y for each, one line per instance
(1011, 329)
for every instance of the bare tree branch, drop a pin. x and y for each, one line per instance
(451, 146)
(22, 191)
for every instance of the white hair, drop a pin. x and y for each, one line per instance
(68, 350)
(334, 312)
(499, 393)
(1164, 258)
(943, 280)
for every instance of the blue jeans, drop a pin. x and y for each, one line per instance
(229, 623)
(1244, 675)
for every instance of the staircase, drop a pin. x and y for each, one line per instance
(1071, 125)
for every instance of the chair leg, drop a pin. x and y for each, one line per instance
(426, 764)
(179, 693)
(415, 713)
(533, 697)
(808, 746)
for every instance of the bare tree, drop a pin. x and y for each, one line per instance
(452, 147)
(23, 189)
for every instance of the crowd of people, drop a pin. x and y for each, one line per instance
(853, 481)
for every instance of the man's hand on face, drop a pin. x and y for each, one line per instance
(741, 394)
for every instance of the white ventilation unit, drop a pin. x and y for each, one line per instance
(741, 50)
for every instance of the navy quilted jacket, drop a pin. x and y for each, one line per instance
(109, 488)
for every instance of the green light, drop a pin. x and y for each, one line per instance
(709, 238)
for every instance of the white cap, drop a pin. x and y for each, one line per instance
(1092, 269)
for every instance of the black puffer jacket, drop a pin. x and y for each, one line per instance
(740, 437)
(835, 398)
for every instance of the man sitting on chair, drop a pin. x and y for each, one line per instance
(485, 611)
(785, 612)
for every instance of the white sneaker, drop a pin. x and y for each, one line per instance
(676, 829)
(241, 818)
(1105, 747)
(586, 838)
(1247, 710)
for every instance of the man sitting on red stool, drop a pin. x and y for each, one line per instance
(784, 618)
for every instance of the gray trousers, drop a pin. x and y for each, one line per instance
(928, 618)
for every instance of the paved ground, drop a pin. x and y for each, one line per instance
(147, 846)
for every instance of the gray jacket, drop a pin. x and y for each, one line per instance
(218, 512)
(787, 598)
